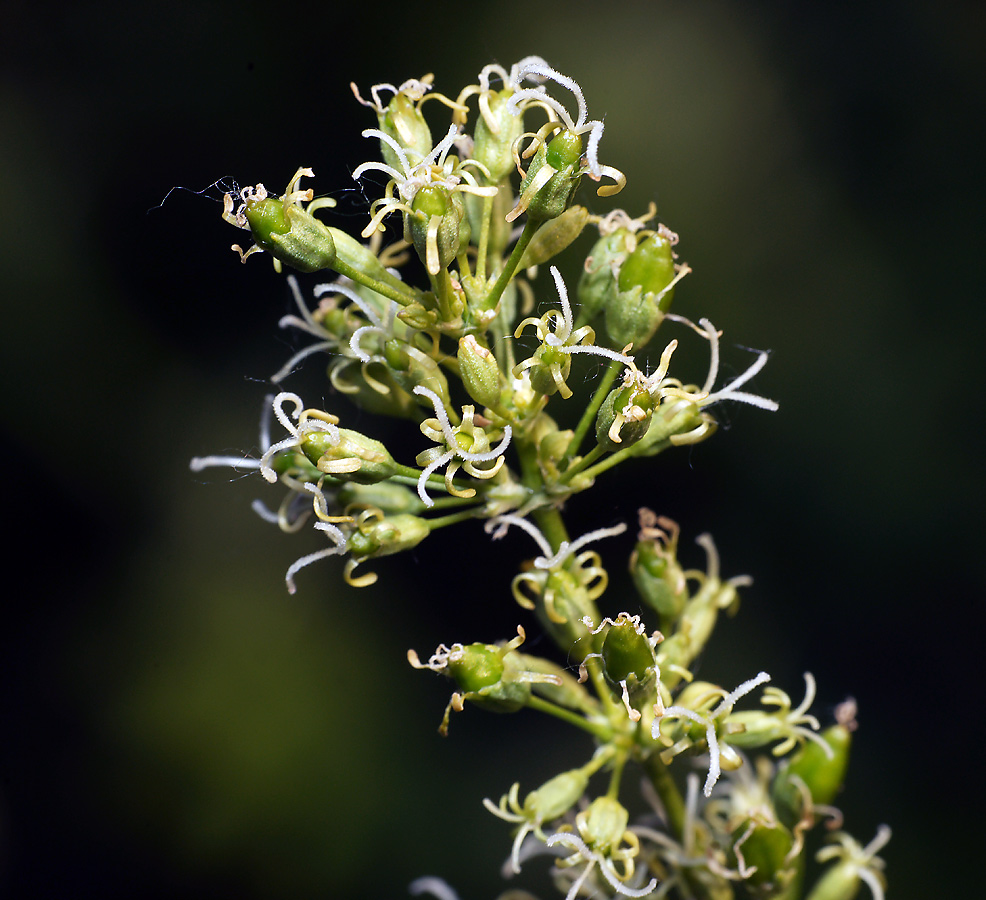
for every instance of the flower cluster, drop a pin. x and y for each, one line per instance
(436, 324)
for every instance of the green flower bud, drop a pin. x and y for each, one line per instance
(349, 455)
(479, 372)
(855, 865)
(765, 847)
(404, 122)
(494, 136)
(386, 496)
(401, 119)
(654, 567)
(554, 236)
(604, 823)
(411, 368)
(378, 535)
(644, 292)
(556, 796)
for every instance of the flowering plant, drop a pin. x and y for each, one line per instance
(440, 326)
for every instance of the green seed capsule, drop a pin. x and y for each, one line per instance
(642, 296)
(386, 536)
(627, 652)
(477, 667)
(349, 456)
(547, 194)
(291, 235)
(266, 217)
(597, 285)
(624, 417)
(821, 774)
(550, 370)
(436, 226)
(651, 266)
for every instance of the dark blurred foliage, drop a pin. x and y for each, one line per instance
(174, 724)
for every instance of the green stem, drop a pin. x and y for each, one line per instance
(598, 729)
(667, 790)
(512, 262)
(583, 463)
(618, 457)
(613, 790)
(589, 416)
(484, 239)
(451, 519)
(552, 526)
(403, 297)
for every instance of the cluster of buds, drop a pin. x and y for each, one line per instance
(436, 323)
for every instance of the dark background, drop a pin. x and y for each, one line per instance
(175, 724)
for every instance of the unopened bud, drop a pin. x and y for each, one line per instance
(479, 371)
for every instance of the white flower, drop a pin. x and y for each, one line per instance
(452, 450)
(435, 168)
(557, 346)
(708, 721)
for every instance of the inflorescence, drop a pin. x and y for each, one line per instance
(436, 323)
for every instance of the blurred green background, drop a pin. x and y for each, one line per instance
(174, 723)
